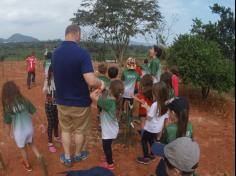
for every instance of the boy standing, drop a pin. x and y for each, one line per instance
(31, 62)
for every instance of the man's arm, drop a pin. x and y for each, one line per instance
(94, 82)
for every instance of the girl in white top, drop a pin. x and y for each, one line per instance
(156, 115)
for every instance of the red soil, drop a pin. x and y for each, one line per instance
(213, 122)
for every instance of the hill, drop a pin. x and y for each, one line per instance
(18, 38)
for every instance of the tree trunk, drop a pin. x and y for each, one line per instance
(205, 92)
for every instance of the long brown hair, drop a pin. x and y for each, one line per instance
(117, 90)
(11, 96)
(50, 75)
(146, 84)
(160, 95)
(166, 77)
(180, 106)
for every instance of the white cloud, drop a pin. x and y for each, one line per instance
(31, 16)
(47, 19)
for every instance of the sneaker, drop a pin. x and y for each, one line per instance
(152, 157)
(82, 156)
(52, 149)
(26, 166)
(66, 162)
(143, 160)
(107, 166)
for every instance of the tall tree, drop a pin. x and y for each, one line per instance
(115, 21)
(222, 31)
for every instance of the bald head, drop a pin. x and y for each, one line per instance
(72, 33)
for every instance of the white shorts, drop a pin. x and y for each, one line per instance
(23, 137)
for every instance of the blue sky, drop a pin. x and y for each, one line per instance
(47, 19)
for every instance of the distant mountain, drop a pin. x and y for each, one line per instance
(17, 38)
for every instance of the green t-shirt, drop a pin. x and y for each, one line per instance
(170, 132)
(106, 80)
(130, 78)
(155, 68)
(172, 94)
(145, 69)
(47, 63)
(22, 108)
(109, 123)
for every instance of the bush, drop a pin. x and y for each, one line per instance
(201, 63)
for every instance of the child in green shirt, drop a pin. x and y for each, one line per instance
(110, 107)
(17, 111)
(155, 66)
(180, 125)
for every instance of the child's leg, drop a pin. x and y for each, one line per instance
(35, 150)
(106, 143)
(55, 124)
(33, 77)
(28, 79)
(151, 141)
(144, 142)
(50, 118)
(24, 155)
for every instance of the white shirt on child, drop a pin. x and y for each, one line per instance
(154, 123)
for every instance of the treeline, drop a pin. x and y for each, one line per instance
(98, 51)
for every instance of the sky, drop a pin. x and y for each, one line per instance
(47, 19)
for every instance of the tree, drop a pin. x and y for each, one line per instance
(201, 63)
(115, 21)
(164, 32)
(222, 31)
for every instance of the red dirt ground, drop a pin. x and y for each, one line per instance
(213, 122)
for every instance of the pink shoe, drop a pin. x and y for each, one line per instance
(107, 166)
(52, 149)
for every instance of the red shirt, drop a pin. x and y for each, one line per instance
(175, 84)
(31, 61)
(142, 110)
(138, 69)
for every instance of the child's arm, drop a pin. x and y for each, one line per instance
(95, 95)
(41, 125)
(146, 106)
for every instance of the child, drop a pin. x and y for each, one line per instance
(156, 116)
(31, 62)
(144, 96)
(175, 80)
(51, 109)
(16, 115)
(155, 66)
(102, 69)
(110, 111)
(130, 77)
(145, 67)
(113, 73)
(166, 78)
(47, 63)
(180, 125)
